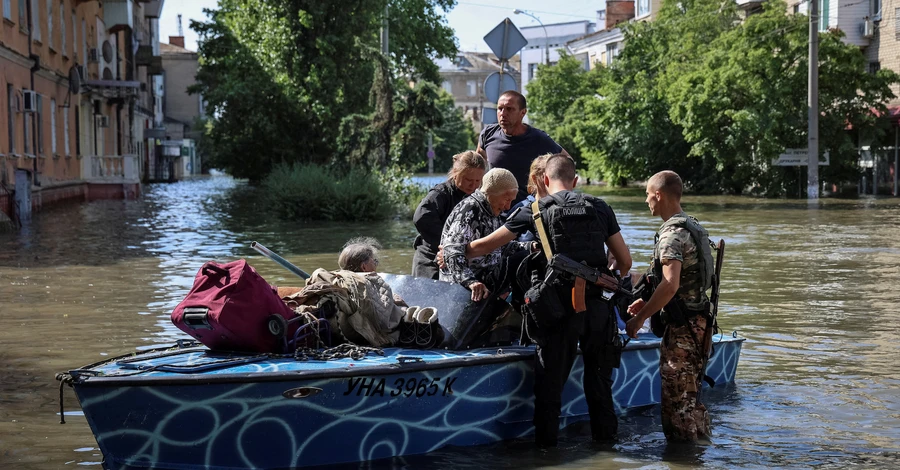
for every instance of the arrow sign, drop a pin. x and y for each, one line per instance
(505, 40)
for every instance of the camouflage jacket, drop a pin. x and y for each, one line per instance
(675, 242)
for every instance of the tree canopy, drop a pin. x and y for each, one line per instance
(715, 98)
(304, 81)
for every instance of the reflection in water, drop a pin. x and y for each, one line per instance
(813, 290)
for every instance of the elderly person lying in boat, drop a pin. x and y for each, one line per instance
(475, 217)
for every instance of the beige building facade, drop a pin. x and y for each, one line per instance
(74, 100)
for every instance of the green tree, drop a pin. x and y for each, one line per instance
(715, 99)
(552, 94)
(280, 76)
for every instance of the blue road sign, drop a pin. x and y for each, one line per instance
(505, 40)
(495, 84)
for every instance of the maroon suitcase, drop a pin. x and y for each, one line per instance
(229, 308)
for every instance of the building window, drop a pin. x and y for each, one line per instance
(23, 16)
(49, 23)
(874, 67)
(84, 56)
(65, 113)
(62, 29)
(7, 9)
(612, 51)
(642, 8)
(39, 122)
(447, 87)
(74, 36)
(471, 88)
(797, 8)
(532, 70)
(26, 127)
(35, 20)
(53, 126)
(11, 127)
(823, 15)
(875, 12)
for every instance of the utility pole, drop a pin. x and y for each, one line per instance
(812, 190)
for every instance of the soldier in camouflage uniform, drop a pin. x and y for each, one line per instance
(684, 273)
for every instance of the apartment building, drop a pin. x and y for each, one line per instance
(76, 94)
(464, 76)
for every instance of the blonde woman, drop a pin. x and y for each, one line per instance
(463, 179)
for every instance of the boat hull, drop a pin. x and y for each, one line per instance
(193, 408)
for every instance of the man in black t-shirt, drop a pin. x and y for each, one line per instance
(591, 330)
(512, 144)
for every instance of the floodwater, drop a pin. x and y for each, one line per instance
(813, 288)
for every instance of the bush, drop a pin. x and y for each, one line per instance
(312, 192)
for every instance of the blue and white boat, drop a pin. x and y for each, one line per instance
(192, 408)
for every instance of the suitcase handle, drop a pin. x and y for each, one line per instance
(214, 268)
(197, 318)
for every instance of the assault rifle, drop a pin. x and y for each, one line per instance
(582, 274)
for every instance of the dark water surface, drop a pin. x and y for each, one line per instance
(814, 288)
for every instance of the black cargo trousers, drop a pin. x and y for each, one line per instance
(553, 363)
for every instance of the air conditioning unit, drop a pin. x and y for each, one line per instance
(93, 55)
(868, 28)
(102, 121)
(29, 101)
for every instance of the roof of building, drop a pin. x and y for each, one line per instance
(473, 61)
(165, 48)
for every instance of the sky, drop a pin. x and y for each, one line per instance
(470, 19)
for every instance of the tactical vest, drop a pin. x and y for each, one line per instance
(575, 230)
(699, 275)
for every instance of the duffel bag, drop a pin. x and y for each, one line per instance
(228, 308)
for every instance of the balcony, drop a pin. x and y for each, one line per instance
(118, 14)
(153, 9)
(110, 89)
(110, 169)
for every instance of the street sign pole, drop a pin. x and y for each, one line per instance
(505, 40)
(812, 189)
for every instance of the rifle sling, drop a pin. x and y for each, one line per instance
(542, 231)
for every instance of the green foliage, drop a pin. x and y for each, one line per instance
(716, 99)
(552, 96)
(309, 191)
(282, 77)
(454, 135)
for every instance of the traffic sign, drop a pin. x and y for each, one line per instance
(505, 40)
(489, 116)
(496, 83)
(799, 157)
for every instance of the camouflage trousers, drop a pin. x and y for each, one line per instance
(681, 361)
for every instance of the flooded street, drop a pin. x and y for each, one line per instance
(813, 288)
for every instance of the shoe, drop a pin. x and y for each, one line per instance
(429, 333)
(410, 316)
(426, 315)
(408, 327)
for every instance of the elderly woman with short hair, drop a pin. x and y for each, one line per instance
(464, 178)
(477, 216)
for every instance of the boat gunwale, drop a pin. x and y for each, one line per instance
(85, 376)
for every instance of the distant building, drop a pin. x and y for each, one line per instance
(463, 77)
(76, 96)
(602, 47)
(181, 109)
(544, 43)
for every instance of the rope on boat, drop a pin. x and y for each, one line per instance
(353, 351)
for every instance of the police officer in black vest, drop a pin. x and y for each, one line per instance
(577, 226)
